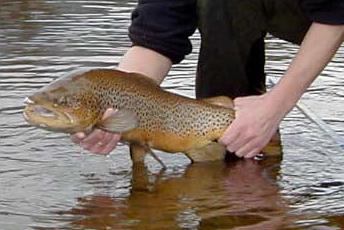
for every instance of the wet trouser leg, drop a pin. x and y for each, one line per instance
(232, 57)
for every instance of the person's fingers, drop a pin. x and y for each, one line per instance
(247, 150)
(229, 136)
(251, 148)
(109, 112)
(105, 147)
(98, 147)
(233, 137)
(240, 141)
(98, 141)
(94, 138)
(107, 138)
(77, 137)
(111, 145)
(253, 153)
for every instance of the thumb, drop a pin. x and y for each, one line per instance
(109, 112)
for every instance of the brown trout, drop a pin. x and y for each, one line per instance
(147, 117)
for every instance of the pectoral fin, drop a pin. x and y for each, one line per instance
(121, 121)
(210, 152)
(222, 101)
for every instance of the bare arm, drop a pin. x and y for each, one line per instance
(258, 117)
(320, 44)
(147, 62)
(137, 59)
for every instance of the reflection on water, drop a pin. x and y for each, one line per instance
(209, 196)
(48, 183)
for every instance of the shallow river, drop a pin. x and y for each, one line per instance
(46, 182)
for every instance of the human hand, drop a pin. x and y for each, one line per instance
(98, 141)
(257, 119)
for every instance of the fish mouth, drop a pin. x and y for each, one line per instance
(45, 115)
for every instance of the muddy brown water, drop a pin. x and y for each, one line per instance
(46, 182)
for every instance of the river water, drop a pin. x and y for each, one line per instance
(46, 182)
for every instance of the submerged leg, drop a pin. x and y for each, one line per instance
(230, 64)
(232, 56)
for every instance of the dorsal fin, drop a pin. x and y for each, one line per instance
(222, 101)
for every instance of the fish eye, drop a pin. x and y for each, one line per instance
(61, 100)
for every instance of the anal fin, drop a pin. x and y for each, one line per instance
(210, 152)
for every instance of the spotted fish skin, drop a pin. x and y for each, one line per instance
(166, 121)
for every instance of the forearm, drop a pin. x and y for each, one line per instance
(147, 62)
(318, 47)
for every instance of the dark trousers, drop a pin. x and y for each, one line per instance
(232, 56)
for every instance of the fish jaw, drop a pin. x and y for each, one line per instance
(51, 118)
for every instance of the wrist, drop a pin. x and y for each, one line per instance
(279, 102)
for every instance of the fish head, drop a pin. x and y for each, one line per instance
(66, 105)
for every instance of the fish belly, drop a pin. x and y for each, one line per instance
(165, 141)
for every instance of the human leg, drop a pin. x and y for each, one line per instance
(228, 64)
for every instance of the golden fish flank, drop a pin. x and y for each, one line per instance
(147, 116)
